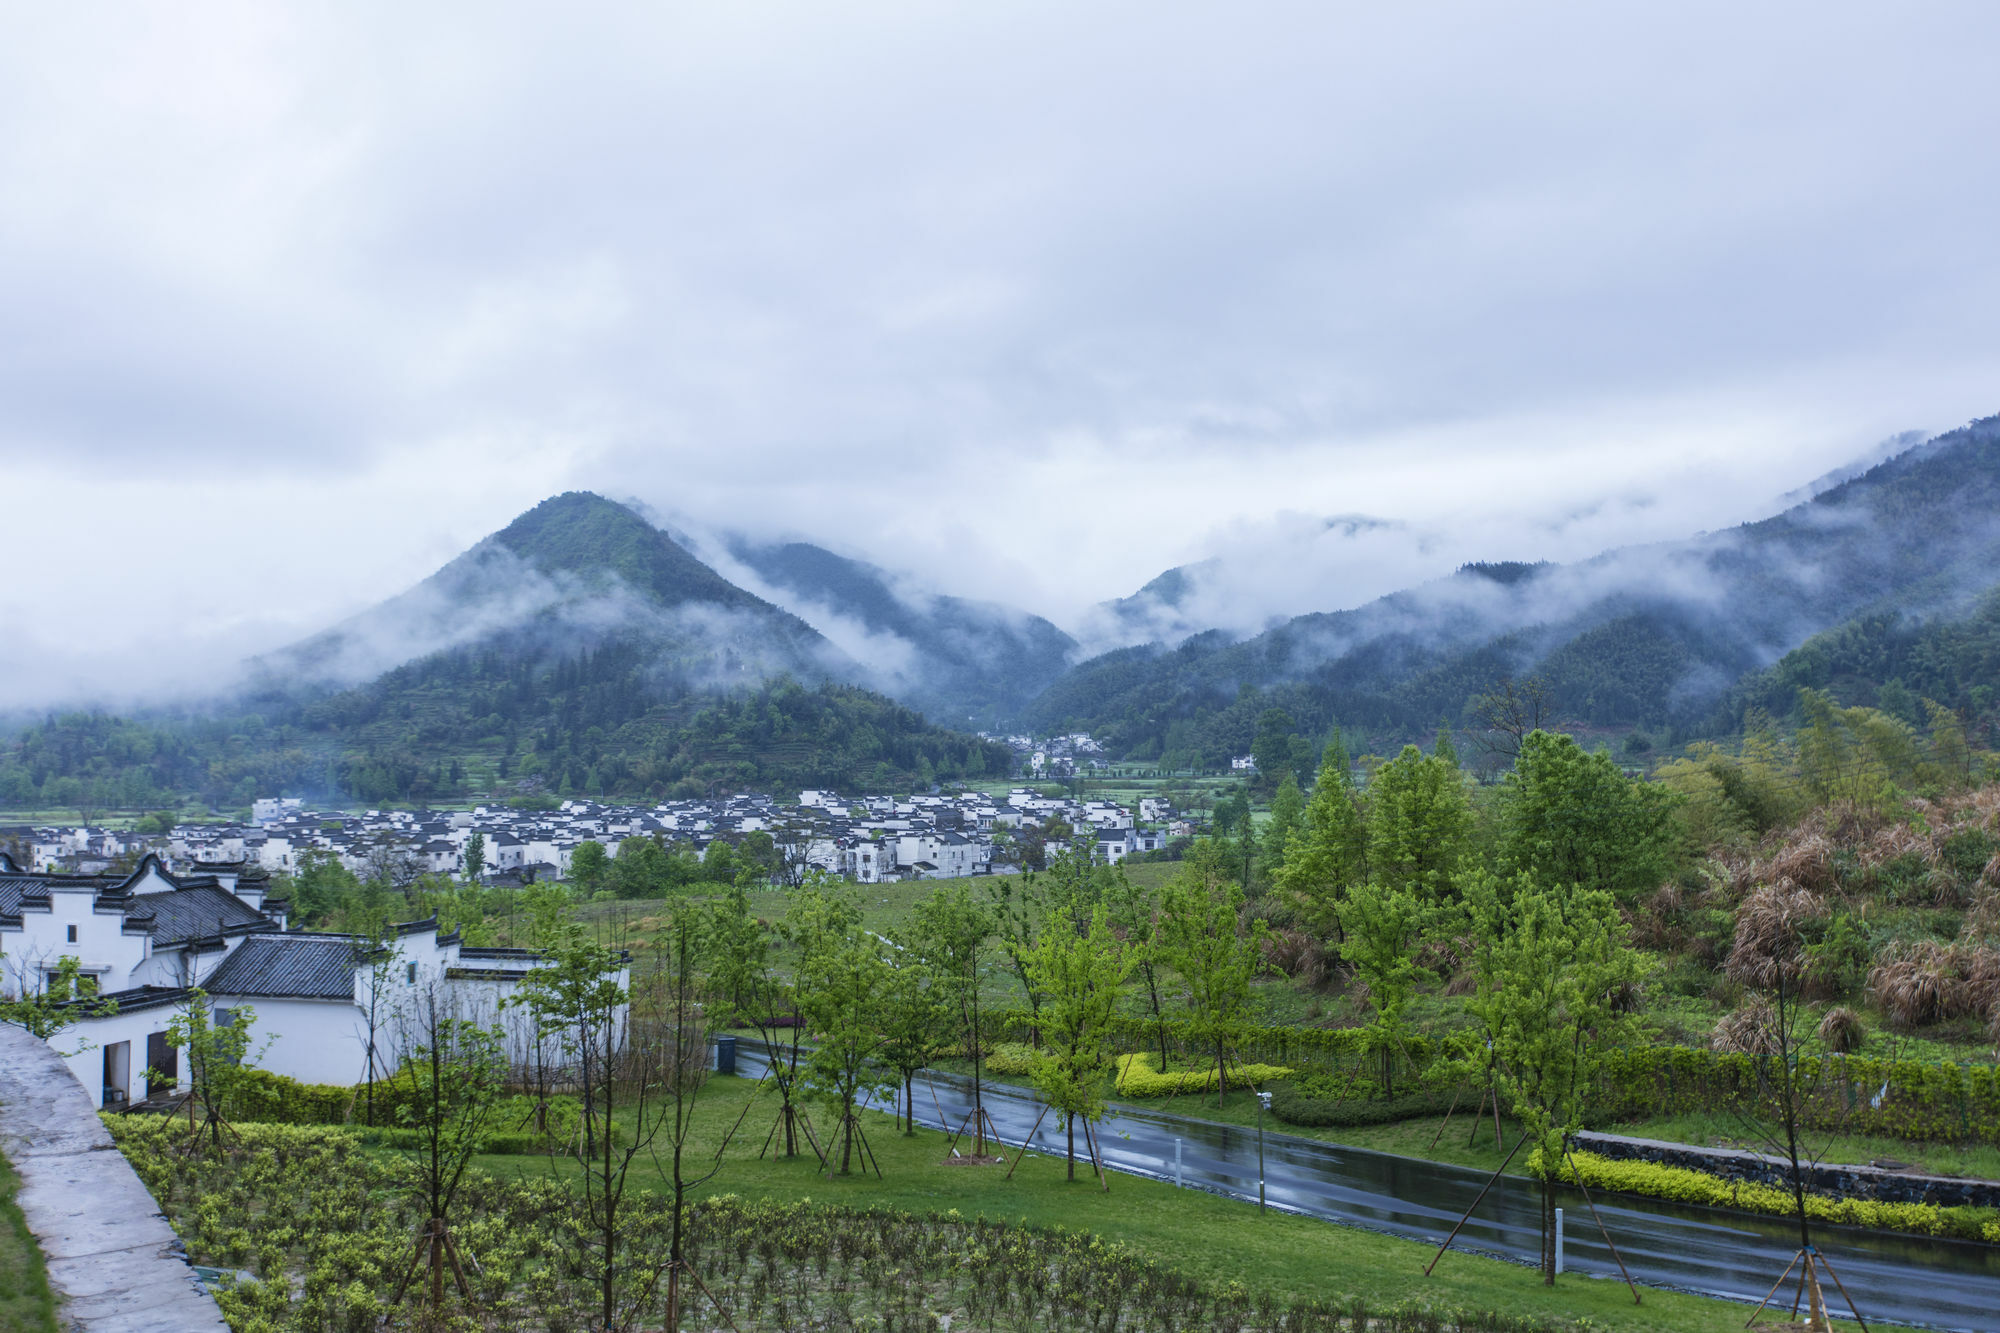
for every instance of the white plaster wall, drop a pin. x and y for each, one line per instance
(82, 1048)
(313, 1041)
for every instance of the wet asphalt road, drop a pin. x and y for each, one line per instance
(1715, 1252)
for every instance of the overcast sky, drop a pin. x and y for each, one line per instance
(298, 301)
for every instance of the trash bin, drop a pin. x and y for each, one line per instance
(725, 1055)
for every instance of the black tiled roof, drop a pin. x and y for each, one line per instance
(192, 913)
(289, 967)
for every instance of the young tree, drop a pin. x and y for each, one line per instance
(1287, 815)
(751, 990)
(1083, 975)
(950, 931)
(1570, 817)
(1418, 823)
(680, 992)
(579, 1000)
(589, 865)
(1328, 855)
(1551, 965)
(1203, 940)
(475, 857)
(374, 940)
(217, 1043)
(1385, 927)
(842, 978)
(1134, 913)
(51, 1000)
(914, 1021)
(451, 1072)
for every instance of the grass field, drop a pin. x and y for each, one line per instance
(26, 1305)
(1218, 1240)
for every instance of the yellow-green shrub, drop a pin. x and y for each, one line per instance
(1139, 1077)
(1012, 1059)
(1682, 1185)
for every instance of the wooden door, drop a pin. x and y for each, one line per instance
(163, 1059)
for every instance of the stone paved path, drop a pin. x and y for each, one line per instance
(109, 1252)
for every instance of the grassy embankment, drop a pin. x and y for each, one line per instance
(1217, 1240)
(26, 1304)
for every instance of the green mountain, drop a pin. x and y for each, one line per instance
(969, 661)
(573, 571)
(578, 651)
(1651, 637)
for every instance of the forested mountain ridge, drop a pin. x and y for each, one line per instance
(967, 661)
(1648, 637)
(571, 571)
(577, 651)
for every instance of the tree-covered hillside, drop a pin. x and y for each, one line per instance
(968, 661)
(439, 732)
(579, 650)
(1650, 638)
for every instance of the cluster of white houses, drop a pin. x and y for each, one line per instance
(146, 939)
(194, 908)
(868, 839)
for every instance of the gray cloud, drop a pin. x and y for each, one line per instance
(1032, 303)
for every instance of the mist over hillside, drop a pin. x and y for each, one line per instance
(1650, 636)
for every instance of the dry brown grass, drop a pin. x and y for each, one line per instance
(1842, 1030)
(1750, 1030)
(1299, 955)
(1921, 982)
(1767, 946)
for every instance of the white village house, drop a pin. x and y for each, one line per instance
(148, 937)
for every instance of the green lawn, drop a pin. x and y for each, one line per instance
(26, 1305)
(1218, 1240)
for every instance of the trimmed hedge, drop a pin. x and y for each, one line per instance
(1296, 1107)
(1137, 1077)
(1013, 1059)
(1902, 1099)
(1681, 1185)
(496, 1143)
(1899, 1099)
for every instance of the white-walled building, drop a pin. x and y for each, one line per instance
(147, 939)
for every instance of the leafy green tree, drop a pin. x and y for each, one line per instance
(1385, 926)
(951, 931)
(475, 857)
(915, 1021)
(639, 870)
(53, 1007)
(1551, 966)
(842, 978)
(219, 1058)
(1134, 913)
(321, 885)
(1203, 940)
(589, 867)
(1083, 975)
(1570, 817)
(1419, 823)
(1328, 855)
(1271, 744)
(1288, 807)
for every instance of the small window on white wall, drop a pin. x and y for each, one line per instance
(72, 934)
(410, 973)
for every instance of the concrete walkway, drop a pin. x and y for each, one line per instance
(109, 1251)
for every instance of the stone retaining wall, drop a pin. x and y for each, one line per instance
(1849, 1182)
(113, 1261)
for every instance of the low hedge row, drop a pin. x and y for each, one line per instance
(1903, 1099)
(1012, 1059)
(1139, 1077)
(1295, 1106)
(1681, 1185)
(496, 1143)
